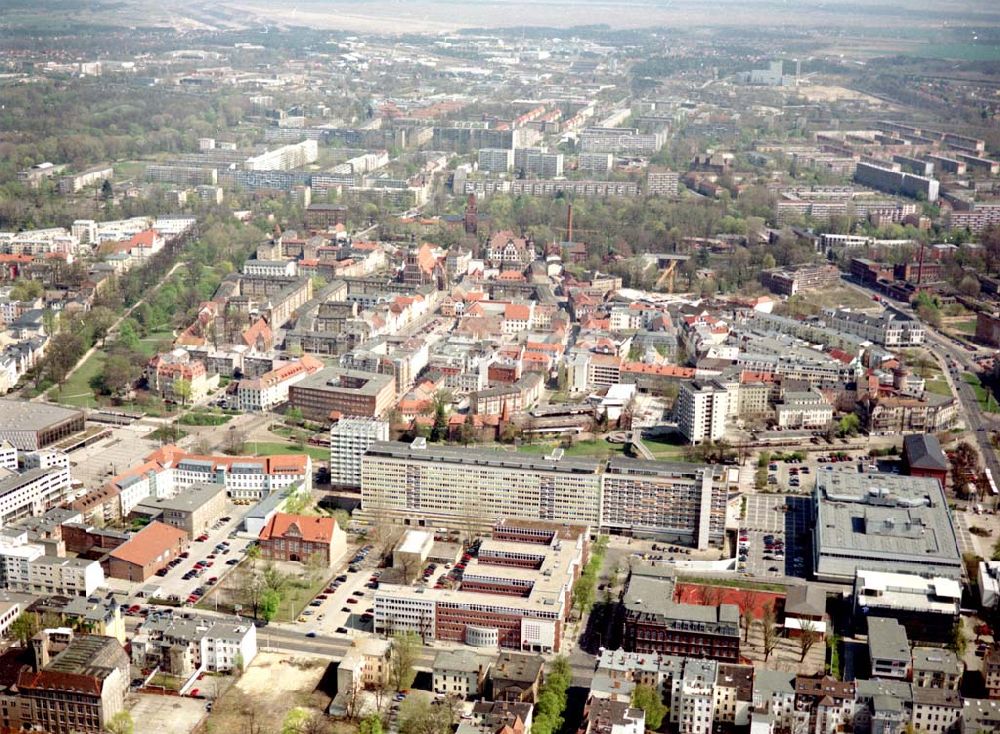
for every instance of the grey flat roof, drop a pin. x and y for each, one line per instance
(887, 639)
(482, 457)
(188, 500)
(646, 594)
(883, 522)
(939, 659)
(374, 382)
(20, 415)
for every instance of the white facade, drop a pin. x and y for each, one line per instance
(24, 567)
(32, 493)
(701, 411)
(349, 439)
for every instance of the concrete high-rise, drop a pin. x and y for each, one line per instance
(701, 411)
(350, 438)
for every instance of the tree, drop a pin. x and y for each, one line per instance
(747, 603)
(24, 628)
(182, 390)
(808, 636)
(120, 373)
(849, 425)
(769, 631)
(371, 724)
(274, 579)
(64, 350)
(120, 723)
(648, 699)
(419, 715)
(969, 286)
(404, 653)
(107, 190)
(270, 603)
(439, 429)
(100, 319)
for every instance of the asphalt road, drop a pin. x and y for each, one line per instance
(975, 420)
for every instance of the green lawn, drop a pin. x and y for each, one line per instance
(268, 448)
(938, 387)
(76, 390)
(665, 451)
(968, 326)
(148, 343)
(987, 402)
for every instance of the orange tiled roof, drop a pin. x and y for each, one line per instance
(309, 528)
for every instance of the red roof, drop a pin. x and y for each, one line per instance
(54, 680)
(517, 312)
(306, 527)
(144, 239)
(149, 544)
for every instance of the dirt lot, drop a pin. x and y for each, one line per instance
(272, 686)
(154, 714)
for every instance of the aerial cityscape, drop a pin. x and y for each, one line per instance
(497, 367)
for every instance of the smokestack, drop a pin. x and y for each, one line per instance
(920, 265)
(569, 223)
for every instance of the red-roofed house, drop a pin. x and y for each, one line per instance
(259, 336)
(145, 244)
(301, 537)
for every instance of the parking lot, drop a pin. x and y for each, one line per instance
(217, 561)
(784, 522)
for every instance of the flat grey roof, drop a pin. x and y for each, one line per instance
(188, 500)
(887, 639)
(883, 522)
(20, 415)
(482, 457)
(373, 382)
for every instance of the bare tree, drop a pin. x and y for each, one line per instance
(769, 630)
(808, 636)
(747, 603)
(711, 596)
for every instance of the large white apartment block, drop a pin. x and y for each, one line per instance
(32, 493)
(284, 158)
(701, 411)
(350, 438)
(449, 482)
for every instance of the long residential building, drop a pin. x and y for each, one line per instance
(885, 329)
(683, 503)
(170, 469)
(448, 482)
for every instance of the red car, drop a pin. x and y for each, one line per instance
(352, 600)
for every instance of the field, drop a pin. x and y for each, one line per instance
(956, 51)
(149, 342)
(272, 686)
(76, 390)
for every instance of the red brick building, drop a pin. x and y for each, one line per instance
(923, 457)
(149, 550)
(299, 537)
